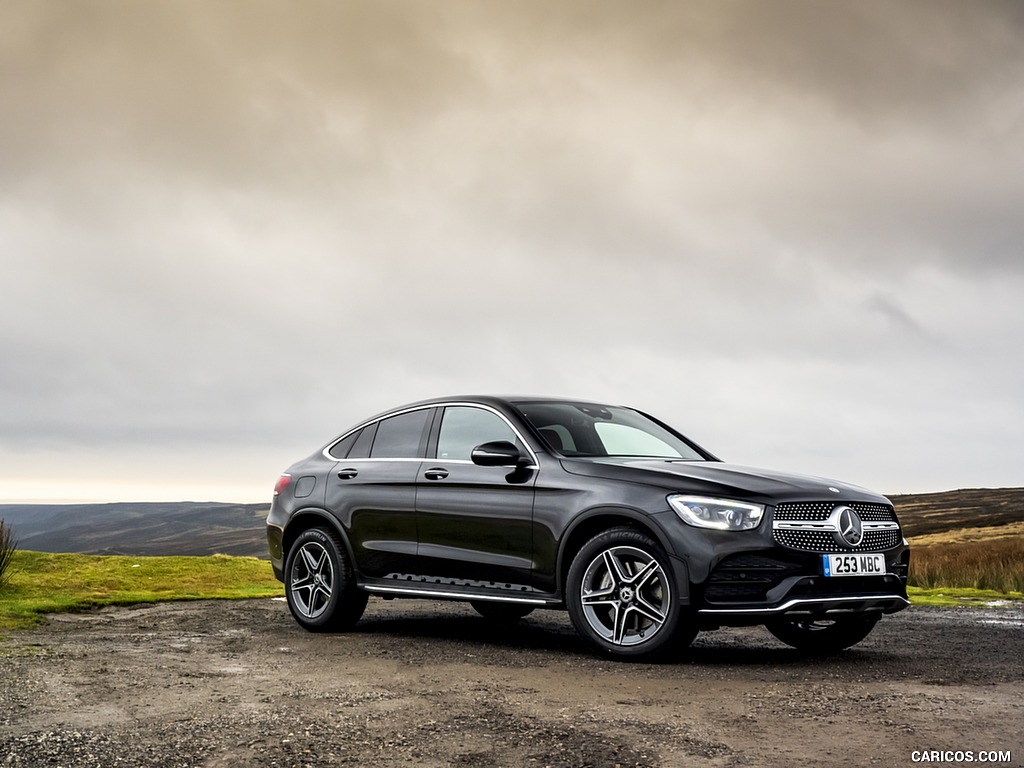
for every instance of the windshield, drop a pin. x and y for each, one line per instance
(590, 430)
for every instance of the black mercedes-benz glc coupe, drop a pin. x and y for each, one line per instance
(518, 503)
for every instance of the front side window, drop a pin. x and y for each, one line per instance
(398, 437)
(463, 428)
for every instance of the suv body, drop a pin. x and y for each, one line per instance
(516, 503)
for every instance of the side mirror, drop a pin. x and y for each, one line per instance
(498, 453)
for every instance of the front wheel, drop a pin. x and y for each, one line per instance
(823, 635)
(320, 585)
(621, 598)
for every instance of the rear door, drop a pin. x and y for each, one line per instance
(475, 523)
(372, 491)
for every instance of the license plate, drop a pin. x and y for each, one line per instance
(853, 565)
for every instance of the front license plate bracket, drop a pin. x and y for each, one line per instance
(853, 564)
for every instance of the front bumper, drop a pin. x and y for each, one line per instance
(804, 607)
(777, 571)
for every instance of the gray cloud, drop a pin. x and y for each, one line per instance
(896, 316)
(249, 224)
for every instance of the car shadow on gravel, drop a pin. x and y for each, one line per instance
(475, 631)
(546, 636)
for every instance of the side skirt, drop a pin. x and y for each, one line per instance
(437, 588)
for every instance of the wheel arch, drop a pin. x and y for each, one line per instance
(313, 517)
(594, 521)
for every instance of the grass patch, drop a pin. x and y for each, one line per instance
(42, 582)
(995, 564)
(954, 596)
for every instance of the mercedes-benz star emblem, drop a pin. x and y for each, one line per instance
(849, 530)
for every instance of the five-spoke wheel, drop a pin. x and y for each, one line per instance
(312, 580)
(319, 583)
(621, 597)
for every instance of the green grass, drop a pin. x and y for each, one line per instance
(959, 596)
(43, 583)
(967, 566)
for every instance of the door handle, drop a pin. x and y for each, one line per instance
(436, 473)
(348, 474)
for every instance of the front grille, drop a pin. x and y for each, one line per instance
(820, 541)
(818, 512)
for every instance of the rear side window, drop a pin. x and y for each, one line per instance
(399, 437)
(361, 448)
(341, 448)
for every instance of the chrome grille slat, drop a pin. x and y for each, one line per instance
(820, 510)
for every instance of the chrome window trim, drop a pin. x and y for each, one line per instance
(367, 458)
(534, 464)
(533, 456)
(326, 451)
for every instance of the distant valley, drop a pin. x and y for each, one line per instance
(207, 528)
(128, 528)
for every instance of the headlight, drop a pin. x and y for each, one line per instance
(721, 514)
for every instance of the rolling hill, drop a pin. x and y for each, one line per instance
(159, 528)
(206, 528)
(931, 513)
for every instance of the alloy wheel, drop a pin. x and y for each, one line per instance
(625, 595)
(312, 580)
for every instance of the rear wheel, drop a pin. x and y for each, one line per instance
(621, 598)
(823, 635)
(501, 611)
(319, 583)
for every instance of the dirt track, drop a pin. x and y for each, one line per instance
(239, 684)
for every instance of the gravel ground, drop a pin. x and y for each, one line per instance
(238, 683)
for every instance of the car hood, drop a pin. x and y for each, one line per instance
(721, 479)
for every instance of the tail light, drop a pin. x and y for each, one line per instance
(282, 483)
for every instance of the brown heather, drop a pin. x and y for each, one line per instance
(996, 564)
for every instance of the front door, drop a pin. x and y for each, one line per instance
(475, 523)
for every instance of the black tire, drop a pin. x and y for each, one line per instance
(621, 596)
(501, 611)
(319, 583)
(823, 635)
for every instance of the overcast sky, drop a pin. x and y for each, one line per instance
(230, 230)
